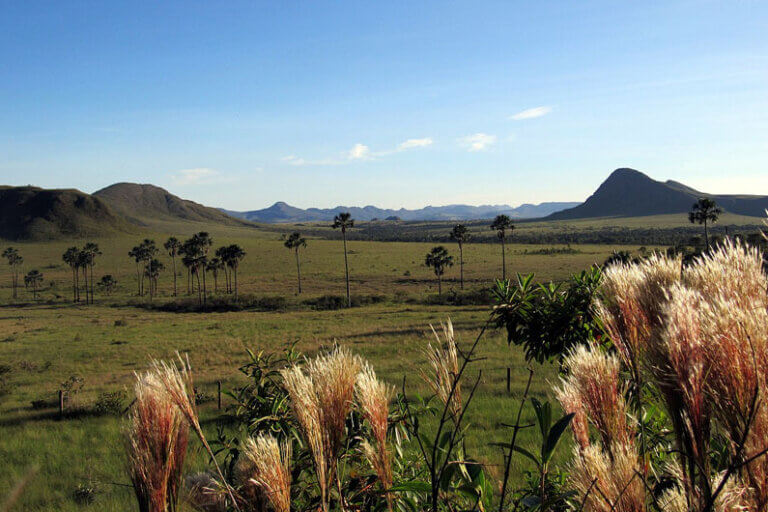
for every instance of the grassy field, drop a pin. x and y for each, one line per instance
(46, 342)
(269, 268)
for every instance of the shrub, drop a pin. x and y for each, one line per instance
(111, 402)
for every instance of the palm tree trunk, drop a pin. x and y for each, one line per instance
(235, 271)
(503, 261)
(77, 283)
(346, 268)
(173, 259)
(199, 289)
(439, 285)
(461, 265)
(706, 233)
(74, 285)
(92, 283)
(298, 269)
(205, 291)
(215, 282)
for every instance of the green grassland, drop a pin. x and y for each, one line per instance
(47, 341)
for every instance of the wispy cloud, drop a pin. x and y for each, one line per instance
(477, 141)
(531, 113)
(198, 176)
(359, 152)
(415, 143)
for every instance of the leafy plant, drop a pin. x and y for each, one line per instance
(547, 319)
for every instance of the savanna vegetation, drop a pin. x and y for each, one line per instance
(383, 412)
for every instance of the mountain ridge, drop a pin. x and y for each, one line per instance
(282, 212)
(631, 193)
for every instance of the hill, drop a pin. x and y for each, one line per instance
(146, 204)
(630, 193)
(32, 213)
(281, 212)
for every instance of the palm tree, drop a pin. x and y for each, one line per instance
(704, 211)
(460, 234)
(152, 271)
(295, 242)
(344, 221)
(34, 279)
(14, 261)
(92, 250)
(70, 257)
(135, 253)
(221, 253)
(172, 246)
(82, 265)
(501, 224)
(214, 265)
(233, 254)
(438, 259)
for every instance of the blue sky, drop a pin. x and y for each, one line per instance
(241, 104)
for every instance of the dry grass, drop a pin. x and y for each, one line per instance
(443, 360)
(156, 444)
(266, 463)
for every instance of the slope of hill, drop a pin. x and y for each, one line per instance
(31, 213)
(282, 212)
(145, 204)
(630, 193)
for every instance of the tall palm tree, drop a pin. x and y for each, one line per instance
(295, 242)
(152, 271)
(148, 250)
(135, 253)
(214, 265)
(14, 261)
(202, 243)
(704, 211)
(438, 259)
(82, 265)
(172, 246)
(70, 257)
(460, 234)
(344, 221)
(501, 224)
(221, 253)
(234, 254)
(33, 279)
(91, 250)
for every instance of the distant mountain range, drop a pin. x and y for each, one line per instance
(40, 214)
(630, 193)
(281, 212)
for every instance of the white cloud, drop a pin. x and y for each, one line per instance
(359, 152)
(415, 143)
(478, 141)
(293, 160)
(198, 176)
(531, 113)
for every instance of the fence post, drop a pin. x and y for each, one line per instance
(509, 380)
(218, 392)
(61, 403)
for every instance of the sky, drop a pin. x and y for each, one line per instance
(396, 104)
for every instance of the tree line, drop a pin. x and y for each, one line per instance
(196, 255)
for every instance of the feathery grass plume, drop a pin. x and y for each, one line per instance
(306, 409)
(178, 384)
(156, 446)
(443, 360)
(205, 493)
(593, 391)
(267, 464)
(374, 397)
(733, 272)
(321, 400)
(606, 480)
(736, 329)
(632, 304)
(683, 384)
